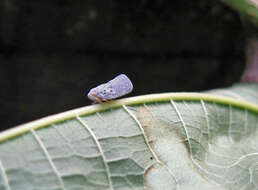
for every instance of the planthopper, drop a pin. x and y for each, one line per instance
(117, 87)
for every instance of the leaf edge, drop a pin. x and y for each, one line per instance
(150, 98)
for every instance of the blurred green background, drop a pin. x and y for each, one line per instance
(52, 52)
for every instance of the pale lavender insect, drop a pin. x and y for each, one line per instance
(117, 87)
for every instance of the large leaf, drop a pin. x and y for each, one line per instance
(163, 141)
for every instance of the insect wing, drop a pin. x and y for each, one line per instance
(121, 85)
(117, 87)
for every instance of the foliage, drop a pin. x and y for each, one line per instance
(160, 141)
(248, 8)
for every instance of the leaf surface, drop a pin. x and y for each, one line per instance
(164, 141)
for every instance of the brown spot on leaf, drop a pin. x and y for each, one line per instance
(156, 128)
(146, 119)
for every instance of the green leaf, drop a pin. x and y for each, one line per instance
(160, 141)
(248, 8)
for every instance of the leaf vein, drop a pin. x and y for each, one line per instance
(143, 133)
(100, 150)
(41, 144)
(5, 176)
(148, 144)
(187, 136)
(208, 125)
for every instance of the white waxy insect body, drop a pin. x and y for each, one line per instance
(117, 87)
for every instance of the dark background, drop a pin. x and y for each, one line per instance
(52, 52)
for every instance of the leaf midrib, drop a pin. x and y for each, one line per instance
(163, 97)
